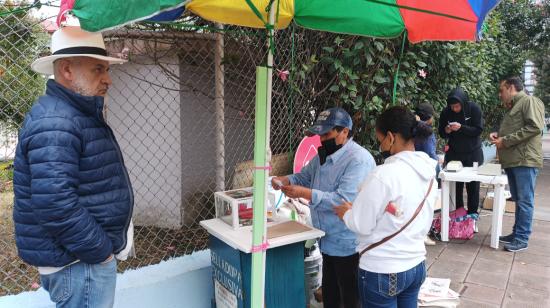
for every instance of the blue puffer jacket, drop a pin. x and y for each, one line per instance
(73, 198)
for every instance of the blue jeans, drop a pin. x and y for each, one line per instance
(522, 181)
(82, 285)
(391, 290)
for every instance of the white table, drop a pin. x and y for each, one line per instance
(468, 174)
(241, 238)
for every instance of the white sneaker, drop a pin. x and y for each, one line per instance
(428, 241)
(476, 230)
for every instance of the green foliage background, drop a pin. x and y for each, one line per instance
(21, 41)
(354, 72)
(357, 73)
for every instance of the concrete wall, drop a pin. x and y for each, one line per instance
(198, 138)
(8, 141)
(181, 282)
(145, 115)
(167, 131)
(489, 153)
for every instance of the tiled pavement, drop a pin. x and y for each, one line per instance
(486, 277)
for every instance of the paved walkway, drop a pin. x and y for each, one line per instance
(487, 277)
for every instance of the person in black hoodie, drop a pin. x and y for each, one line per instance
(461, 123)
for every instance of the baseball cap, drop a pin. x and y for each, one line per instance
(328, 119)
(425, 111)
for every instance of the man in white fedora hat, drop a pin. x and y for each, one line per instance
(73, 197)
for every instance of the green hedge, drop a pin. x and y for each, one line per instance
(6, 174)
(357, 73)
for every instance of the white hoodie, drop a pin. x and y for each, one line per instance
(403, 180)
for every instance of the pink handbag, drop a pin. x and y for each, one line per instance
(461, 224)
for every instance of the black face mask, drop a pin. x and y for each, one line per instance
(327, 148)
(387, 153)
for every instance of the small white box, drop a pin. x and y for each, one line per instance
(234, 207)
(509, 207)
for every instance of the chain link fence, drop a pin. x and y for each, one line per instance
(21, 41)
(182, 109)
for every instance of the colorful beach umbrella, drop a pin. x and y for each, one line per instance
(422, 20)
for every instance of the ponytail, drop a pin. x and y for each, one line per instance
(422, 130)
(400, 120)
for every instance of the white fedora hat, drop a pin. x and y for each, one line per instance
(73, 42)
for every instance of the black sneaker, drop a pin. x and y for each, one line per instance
(515, 246)
(507, 238)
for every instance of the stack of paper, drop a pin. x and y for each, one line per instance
(435, 292)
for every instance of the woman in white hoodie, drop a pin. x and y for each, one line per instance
(397, 198)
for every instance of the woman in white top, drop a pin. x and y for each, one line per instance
(390, 275)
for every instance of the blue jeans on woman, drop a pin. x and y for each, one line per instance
(82, 285)
(522, 182)
(391, 290)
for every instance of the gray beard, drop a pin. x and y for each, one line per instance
(81, 87)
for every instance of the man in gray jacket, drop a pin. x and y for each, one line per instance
(519, 145)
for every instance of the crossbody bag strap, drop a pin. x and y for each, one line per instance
(389, 237)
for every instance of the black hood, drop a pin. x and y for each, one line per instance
(466, 139)
(457, 95)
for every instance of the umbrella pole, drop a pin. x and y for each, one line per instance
(262, 157)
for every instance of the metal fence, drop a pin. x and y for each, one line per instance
(182, 109)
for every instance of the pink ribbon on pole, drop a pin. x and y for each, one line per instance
(263, 168)
(259, 248)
